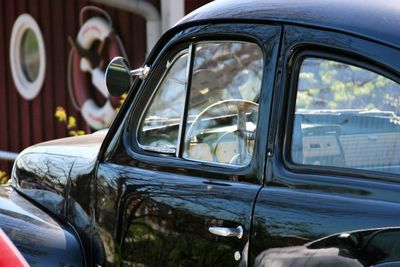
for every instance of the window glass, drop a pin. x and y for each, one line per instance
(346, 116)
(30, 55)
(159, 130)
(223, 103)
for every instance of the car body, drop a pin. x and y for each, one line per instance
(265, 133)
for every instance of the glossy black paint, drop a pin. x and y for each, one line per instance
(124, 205)
(281, 220)
(369, 247)
(80, 209)
(300, 204)
(375, 20)
(165, 217)
(42, 239)
(166, 204)
(57, 176)
(44, 179)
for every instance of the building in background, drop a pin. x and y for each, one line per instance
(53, 53)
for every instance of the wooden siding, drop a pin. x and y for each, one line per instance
(24, 123)
(191, 5)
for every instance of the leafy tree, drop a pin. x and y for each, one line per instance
(326, 84)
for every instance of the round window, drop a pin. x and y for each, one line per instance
(27, 57)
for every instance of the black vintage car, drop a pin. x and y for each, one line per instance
(258, 133)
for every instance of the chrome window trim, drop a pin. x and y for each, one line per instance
(180, 133)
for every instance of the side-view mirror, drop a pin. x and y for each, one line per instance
(119, 76)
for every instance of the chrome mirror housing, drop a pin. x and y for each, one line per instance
(118, 77)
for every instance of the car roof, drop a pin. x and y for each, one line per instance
(378, 20)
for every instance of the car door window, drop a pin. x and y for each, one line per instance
(220, 120)
(346, 116)
(223, 103)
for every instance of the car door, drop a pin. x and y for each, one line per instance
(179, 179)
(331, 191)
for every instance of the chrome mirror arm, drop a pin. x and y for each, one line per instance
(140, 72)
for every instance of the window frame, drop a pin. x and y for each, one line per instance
(119, 148)
(267, 38)
(342, 57)
(27, 88)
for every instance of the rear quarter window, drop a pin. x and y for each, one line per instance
(346, 116)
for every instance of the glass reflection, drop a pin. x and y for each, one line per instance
(370, 247)
(30, 58)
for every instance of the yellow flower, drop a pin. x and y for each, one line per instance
(121, 101)
(76, 133)
(123, 97)
(71, 122)
(3, 177)
(60, 114)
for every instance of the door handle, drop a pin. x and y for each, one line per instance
(227, 232)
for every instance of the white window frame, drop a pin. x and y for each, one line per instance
(27, 89)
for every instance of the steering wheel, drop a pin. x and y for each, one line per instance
(244, 110)
(238, 158)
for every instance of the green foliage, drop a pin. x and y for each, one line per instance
(326, 84)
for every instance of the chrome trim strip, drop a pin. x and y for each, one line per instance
(140, 72)
(7, 155)
(165, 150)
(227, 232)
(189, 61)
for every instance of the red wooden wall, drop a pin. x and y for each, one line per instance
(22, 122)
(191, 5)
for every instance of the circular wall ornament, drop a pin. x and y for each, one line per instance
(27, 56)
